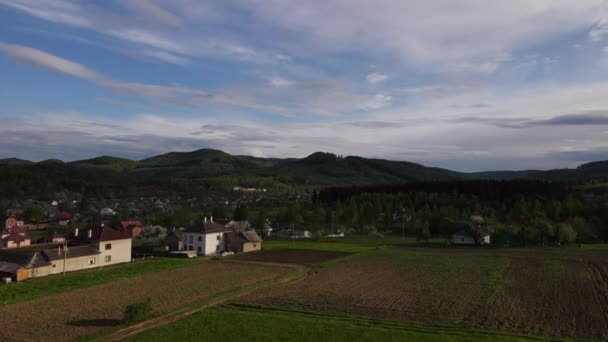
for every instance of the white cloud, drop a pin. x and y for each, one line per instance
(376, 102)
(599, 32)
(375, 77)
(279, 82)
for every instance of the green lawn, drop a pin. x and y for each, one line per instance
(40, 287)
(248, 323)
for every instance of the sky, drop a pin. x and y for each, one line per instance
(469, 85)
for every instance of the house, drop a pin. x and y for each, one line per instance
(13, 237)
(13, 221)
(132, 227)
(464, 238)
(67, 259)
(17, 264)
(206, 237)
(52, 237)
(175, 241)
(114, 246)
(243, 241)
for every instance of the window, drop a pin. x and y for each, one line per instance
(91, 261)
(190, 238)
(218, 237)
(108, 258)
(200, 250)
(200, 238)
(108, 246)
(255, 245)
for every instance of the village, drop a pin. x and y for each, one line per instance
(23, 257)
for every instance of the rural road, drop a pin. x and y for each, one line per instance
(136, 329)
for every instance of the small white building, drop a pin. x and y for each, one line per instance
(205, 237)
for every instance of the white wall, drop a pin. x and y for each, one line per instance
(208, 245)
(119, 252)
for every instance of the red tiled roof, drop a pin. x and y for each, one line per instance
(65, 215)
(15, 238)
(14, 230)
(128, 224)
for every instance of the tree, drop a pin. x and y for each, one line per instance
(425, 232)
(33, 214)
(138, 311)
(260, 221)
(219, 211)
(565, 233)
(240, 213)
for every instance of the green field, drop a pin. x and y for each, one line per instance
(40, 287)
(239, 323)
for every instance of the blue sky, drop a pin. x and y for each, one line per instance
(469, 85)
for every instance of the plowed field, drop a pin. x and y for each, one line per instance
(68, 315)
(533, 292)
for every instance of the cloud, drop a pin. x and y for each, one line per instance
(279, 82)
(584, 118)
(375, 77)
(599, 32)
(149, 9)
(172, 94)
(376, 102)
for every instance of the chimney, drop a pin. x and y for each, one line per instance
(90, 233)
(211, 218)
(205, 219)
(76, 232)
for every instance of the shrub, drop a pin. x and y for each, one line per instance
(138, 311)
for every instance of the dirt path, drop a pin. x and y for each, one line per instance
(301, 273)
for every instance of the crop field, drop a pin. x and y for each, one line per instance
(84, 311)
(557, 292)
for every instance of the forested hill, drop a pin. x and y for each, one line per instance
(201, 170)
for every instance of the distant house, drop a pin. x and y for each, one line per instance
(206, 237)
(114, 246)
(243, 241)
(13, 237)
(13, 221)
(52, 237)
(132, 227)
(463, 237)
(175, 241)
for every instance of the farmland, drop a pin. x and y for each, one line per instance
(68, 315)
(553, 292)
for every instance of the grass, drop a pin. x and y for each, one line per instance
(316, 245)
(264, 324)
(41, 287)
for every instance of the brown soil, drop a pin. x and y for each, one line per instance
(81, 312)
(550, 293)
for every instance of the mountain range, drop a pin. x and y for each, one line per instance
(211, 168)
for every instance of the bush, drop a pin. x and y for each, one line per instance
(138, 311)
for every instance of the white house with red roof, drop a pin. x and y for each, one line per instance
(13, 237)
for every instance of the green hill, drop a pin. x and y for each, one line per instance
(208, 170)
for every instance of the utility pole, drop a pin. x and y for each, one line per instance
(65, 253)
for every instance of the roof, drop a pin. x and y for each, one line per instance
(251, 236)
(65, 215)
(129, 224)
(24, 258)
(59, 253)
(15, 238)
(100, 234)
(14, 230)
(205, 227)
(176, 233)
(236, 238)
